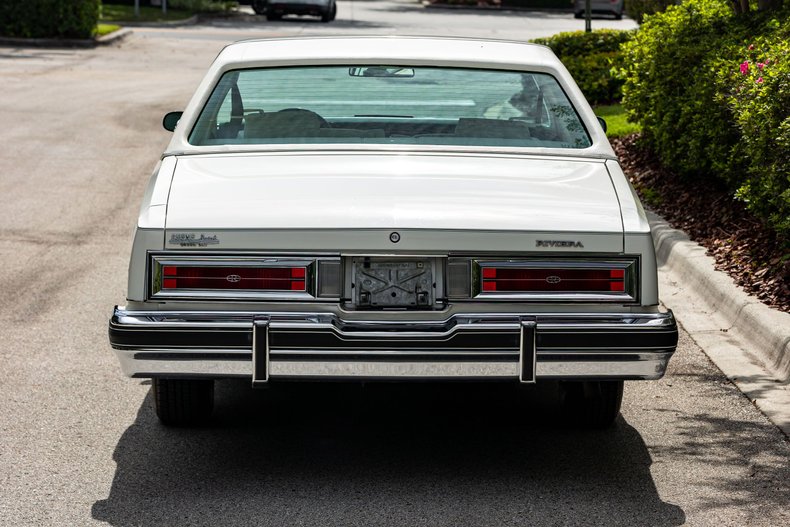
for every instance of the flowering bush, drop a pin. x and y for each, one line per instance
(758, 95)
(712, 93)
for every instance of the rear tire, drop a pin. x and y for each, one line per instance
(183, 402)
(272, 17)
(591, 404)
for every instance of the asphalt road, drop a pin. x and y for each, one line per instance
(79, 443)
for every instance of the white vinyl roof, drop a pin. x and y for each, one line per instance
(413, 50)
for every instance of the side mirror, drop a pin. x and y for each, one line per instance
(602, 121)
(171, 120)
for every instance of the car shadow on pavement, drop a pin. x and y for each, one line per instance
(388, 454)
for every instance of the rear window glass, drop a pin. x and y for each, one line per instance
(389, 105)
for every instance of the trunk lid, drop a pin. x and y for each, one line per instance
(341, 201)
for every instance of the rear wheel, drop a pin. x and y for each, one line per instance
(183, 402)
(329, 14)
(591, 404)
(273, 16)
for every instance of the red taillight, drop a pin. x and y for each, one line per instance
(249, 278)
(514, 279)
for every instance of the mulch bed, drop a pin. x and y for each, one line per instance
(742, 246)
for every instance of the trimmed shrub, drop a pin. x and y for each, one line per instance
(49, 18)
(703, 115)
(589, 58)
(669, 70)
(637, 9)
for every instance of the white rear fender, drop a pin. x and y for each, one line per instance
(149, 233)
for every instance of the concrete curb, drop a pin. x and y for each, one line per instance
(429, 5)
(191, 21)
(111, 38)
(766, 330)
(747, 340)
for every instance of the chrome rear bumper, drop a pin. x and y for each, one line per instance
(273, 346)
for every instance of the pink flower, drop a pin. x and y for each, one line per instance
(760, 80)
(760, 65)
(744, 67)
(767, 61)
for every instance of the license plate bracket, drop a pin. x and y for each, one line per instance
(400, 283)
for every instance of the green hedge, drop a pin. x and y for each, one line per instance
(702, 114)
(589, 58)
(49, 18)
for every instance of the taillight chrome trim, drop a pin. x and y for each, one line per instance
(314, 289)
(475, 267)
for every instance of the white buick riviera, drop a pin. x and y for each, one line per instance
(400, 209)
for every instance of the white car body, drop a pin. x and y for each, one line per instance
(453, 208)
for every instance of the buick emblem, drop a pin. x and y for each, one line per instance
(553, 279)
(233, 278)
(394, 237)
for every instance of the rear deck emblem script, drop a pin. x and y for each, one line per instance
(394, 237)
(193, 240)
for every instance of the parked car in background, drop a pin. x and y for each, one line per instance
(600, 7)
(276, 9)
(390, 209)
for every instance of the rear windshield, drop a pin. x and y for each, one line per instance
(389, 105)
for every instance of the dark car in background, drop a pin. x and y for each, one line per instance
(276, 9)
(606, 7)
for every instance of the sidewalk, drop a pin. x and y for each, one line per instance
(747, 340)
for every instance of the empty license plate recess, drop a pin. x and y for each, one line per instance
(393, 282)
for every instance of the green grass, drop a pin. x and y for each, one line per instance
(125, 13)
(105, 29)
(616, 123)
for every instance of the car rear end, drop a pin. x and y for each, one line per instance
(444, 246)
